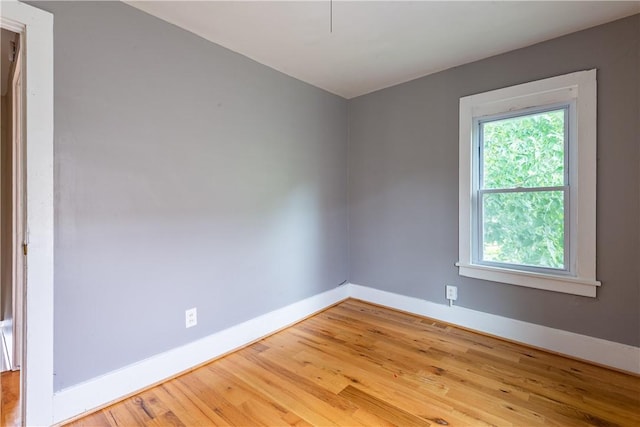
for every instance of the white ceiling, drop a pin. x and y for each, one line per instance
(376, 44)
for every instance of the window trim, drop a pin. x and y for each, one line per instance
(578, 88)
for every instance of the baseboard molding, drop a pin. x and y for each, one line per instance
(78, 399)
(596, 350)
(98, 392)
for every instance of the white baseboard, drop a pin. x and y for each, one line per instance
(97, 392)
(603, 352)
(75, 400)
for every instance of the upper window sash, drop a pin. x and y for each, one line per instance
(478, 135)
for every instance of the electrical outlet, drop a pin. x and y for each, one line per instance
(452, 292)
(191, 317)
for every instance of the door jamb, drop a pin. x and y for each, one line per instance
(18, 207)
(36, 29)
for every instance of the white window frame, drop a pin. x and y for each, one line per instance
(578, 89)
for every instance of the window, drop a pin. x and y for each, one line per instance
(522, 189)
(527, 184)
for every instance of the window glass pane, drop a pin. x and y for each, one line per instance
(525, 151)
(524, 228)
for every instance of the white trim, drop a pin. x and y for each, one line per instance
(580, 87)
(18, 208)
(36, 27)
(603, 352)
(96, 392)
(568, 285)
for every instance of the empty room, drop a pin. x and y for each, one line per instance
(320, 213)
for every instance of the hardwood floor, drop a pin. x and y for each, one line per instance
(359, 364)
(10, 401)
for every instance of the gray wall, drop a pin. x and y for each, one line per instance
(185, 176)
(403, 184)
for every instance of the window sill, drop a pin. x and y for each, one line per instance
(567, 285)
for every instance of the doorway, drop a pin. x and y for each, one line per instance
(35, 27)
(12, 220)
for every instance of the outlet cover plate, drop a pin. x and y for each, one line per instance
(191, 317)
(452, 292)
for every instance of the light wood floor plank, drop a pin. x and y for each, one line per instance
(189, 413)
(10, 399)
(381, 408)
(362, 364)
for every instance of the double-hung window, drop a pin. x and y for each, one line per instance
(527, 184)
(523, 190)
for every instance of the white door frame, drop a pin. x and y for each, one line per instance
(36, 29)
(18, 220)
